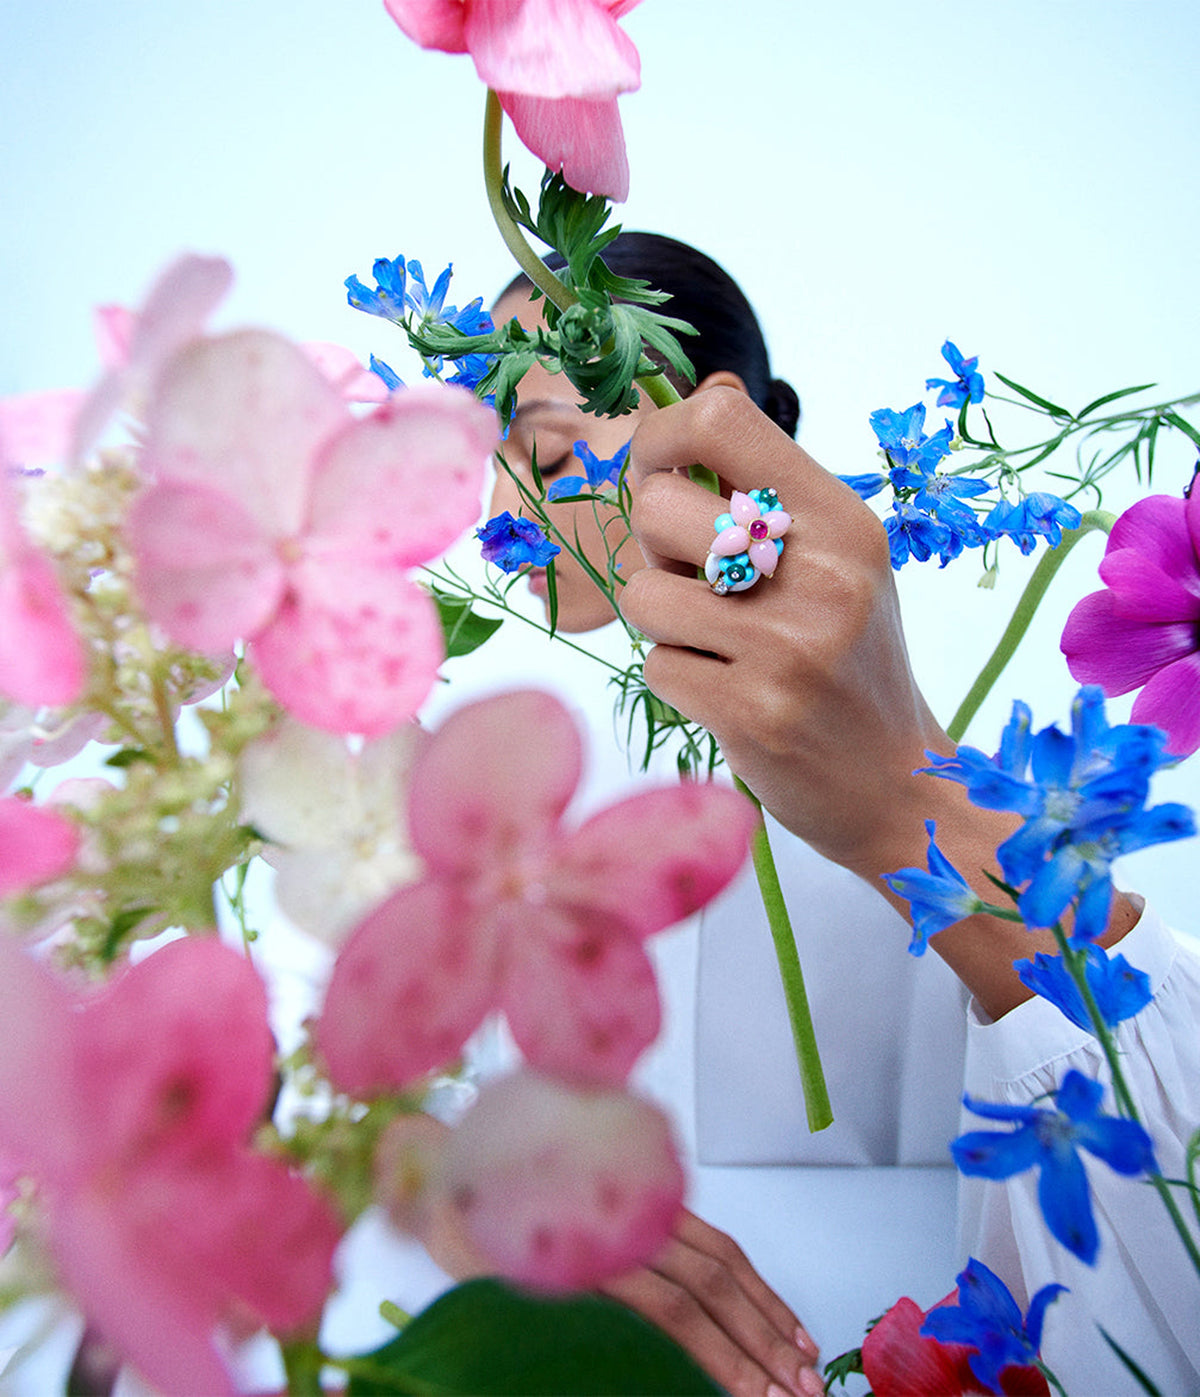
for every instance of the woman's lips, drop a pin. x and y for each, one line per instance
(537, 581)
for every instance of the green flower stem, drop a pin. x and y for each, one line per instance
(302, 1363)
(1076, 962)
(1035, 589)
(808, 1058)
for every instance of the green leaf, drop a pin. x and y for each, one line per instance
(1052, 408)
(486, 1339)
(464, 630)
(1182, 425)
(127, 756)
(1139, 1375)
(1111, 398)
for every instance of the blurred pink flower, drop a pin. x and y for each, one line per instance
(1144, 629)
(277, 517)
(519, 913)
(543, 1183)
(557, 67)
(35, 845)
(42, 659)
(130, 1108)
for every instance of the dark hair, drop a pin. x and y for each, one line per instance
(706, 296)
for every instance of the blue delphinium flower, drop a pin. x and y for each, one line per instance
(599, 473)
(966, 386)
(1084, 803)
(943, 496)
(902, 436)
(913, 533)
(431, 308)
(1040, 515)
(470, 370)
(939, 897)
(1119, 990)
(390, 296)
(387, 373)
(1050, 1141)
(512, 543)
(988, 1319)
(866, 486)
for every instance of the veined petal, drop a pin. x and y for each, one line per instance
(1103, 647)
(1171, 701)
(495, 777)
(352, 648)
(899, 1361)
(205, 569)
(579, 994)
(244, 413)
(434, 24)
(551, 48)
(583, 139)
(1144, 591)
(410, 986)
(1156, 527)
(560, 1188)
(658, 856)
(36, 845)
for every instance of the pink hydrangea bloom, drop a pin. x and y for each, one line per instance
(35, 845)
(277, 517)
(546, 1184)
(1143, 630)
(518, 912)
(42, 659)
(130, 1109)
(557, 67)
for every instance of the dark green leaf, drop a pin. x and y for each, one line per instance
(1111, 398)
(464, 630)
(843, 1366)
(127, 756)
(1052, 408)
(552, 596)
(1182, 425)
(1137, 1372)
(486, 1339)
(120, 927)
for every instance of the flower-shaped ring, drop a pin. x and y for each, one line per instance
(748, 543)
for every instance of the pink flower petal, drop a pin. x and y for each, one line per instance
(551, 48)
(497, 774)
(206, 570)
(1143, 591)
(115, 327)
(434, 24)
(655, 858)
(35, 845)
(42, 660)
(765, 556)
(409, 987)
(1157, 528)
(352, 648)
(244, 414)
(402, 484)
(37, 427)
(581, 998)
(730, 541)
(743, 508)
(563, 1189)
(778, 522)
(342, 368)
(1171, 701)
(583, 139)
(1103, 647)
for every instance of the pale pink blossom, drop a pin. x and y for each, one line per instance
(279, 518)
(130, 1108)
(521, 913)
(546, 1184)
(35, 845)
(557, 67)
(1143, 630)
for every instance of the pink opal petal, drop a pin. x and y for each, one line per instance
(1103, 647)
(172, 1070)
(35, 845)
(778, 522)
(551, 48)
(564, 1189)
(1171, 701)
(764, 555)
(582, 139)
(205, 569)
(495, 778)
(403, 483)
(409, 987)
(37, 427)
(730, 541)
(657, 857)
(342, 368)
(743, 508)
(352, 648)
(244, 414)
(1157, 528)
(1143, 591)
(434, 24)
(579, 993)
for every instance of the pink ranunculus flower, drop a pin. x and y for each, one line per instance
(130, 1108)
(557, 67)
(546, 1184)
(277, 517)
(518, 912)
(35, 845)
(1143, 631)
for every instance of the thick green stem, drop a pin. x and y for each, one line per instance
(302, 1362)
(1035, 589)
(812, 1075)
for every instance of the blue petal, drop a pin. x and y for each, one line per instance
(1122, 1144)
(1037, 1313)
(994, 1154)
(1066, 1204)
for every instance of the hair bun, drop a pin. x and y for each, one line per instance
(782, 405)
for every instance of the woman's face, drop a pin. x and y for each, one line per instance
(549, 415)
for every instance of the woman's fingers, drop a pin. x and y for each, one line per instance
(703, 1292)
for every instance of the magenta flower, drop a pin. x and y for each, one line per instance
(557, 67)
(518, 913)
(35, 845)
(1143, 631)
(130, 1108)
(279, 518)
